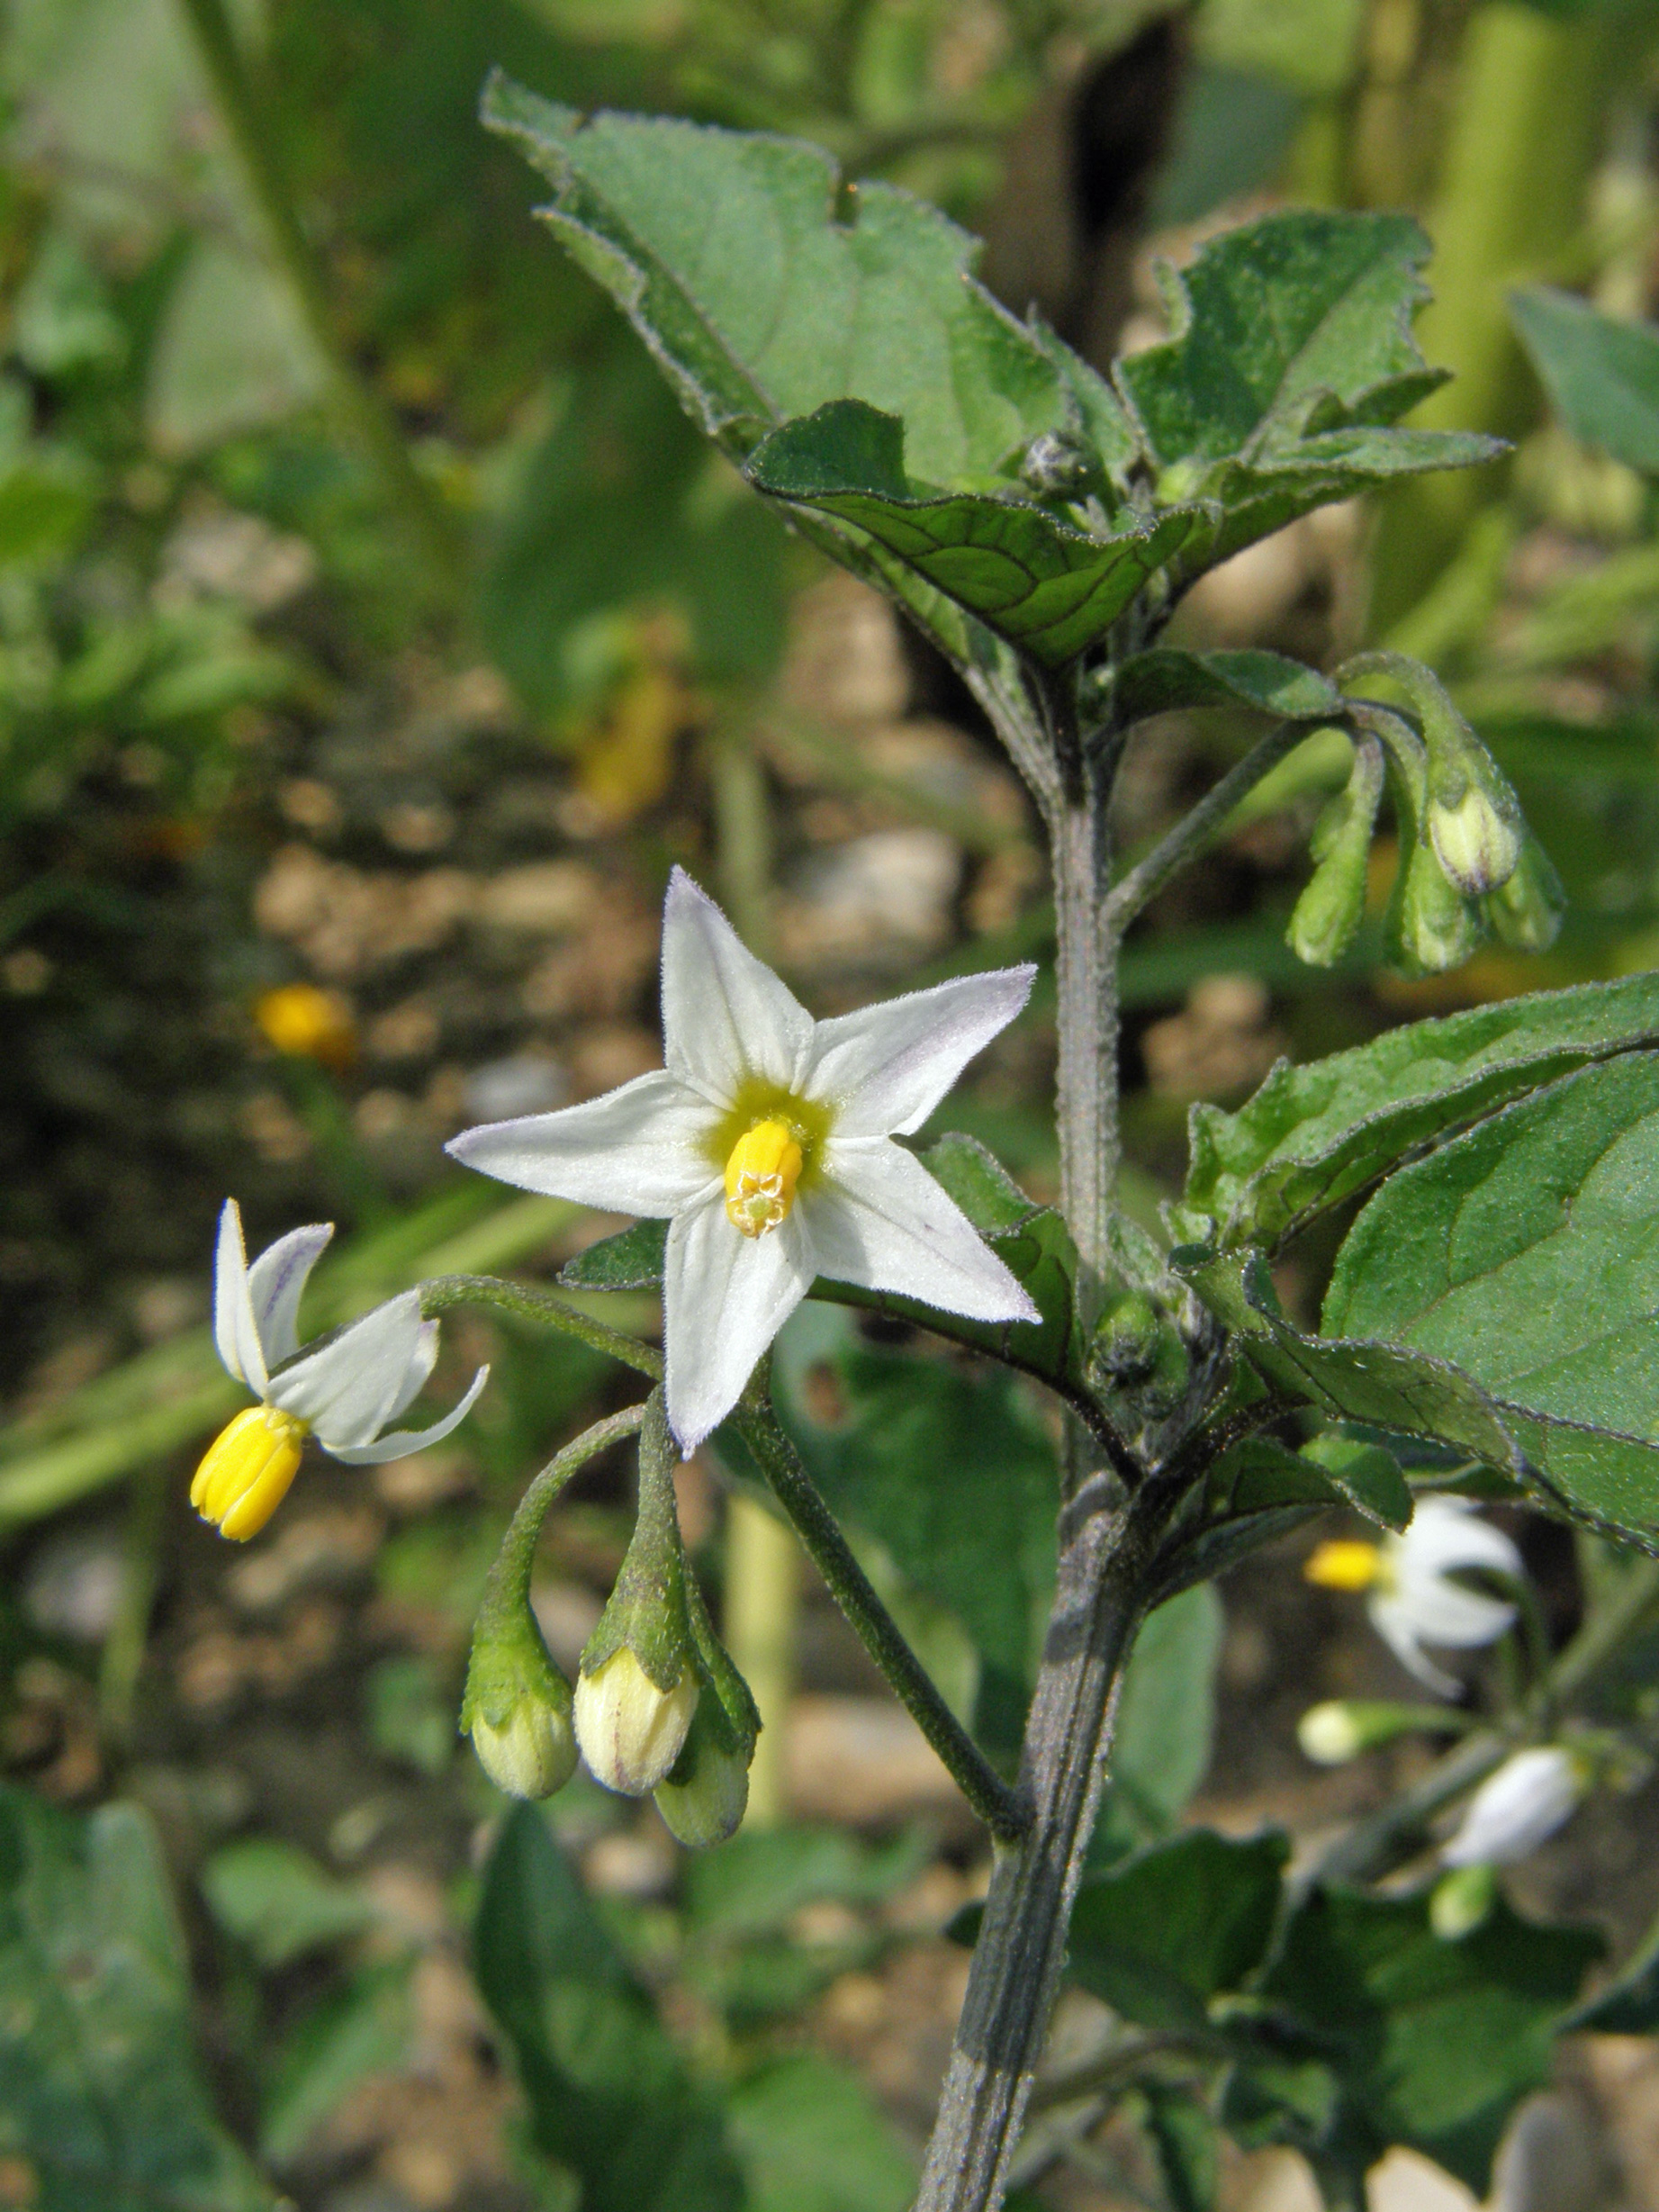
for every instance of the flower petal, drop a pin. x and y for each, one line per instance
(879, 1219)
(1532, 1795)
(403, 1441)
(274, 1282)
(1393, 1626)
(639, 1149)
(1448, 1533)
(886, 1066)
(1442, 1612)
(235, 1331)
(725, 1015)
(421, 1362)
(724, 1297)
(346, 1388)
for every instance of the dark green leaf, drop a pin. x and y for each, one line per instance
(1165, 679)
(1379, 1385)
(1166, 1724)
(1047, 588)
(764, 1876)
(1188, 2150)
(1367, 1475)
(1158, 1937)
(764, 289)
(1628, 2005)
(360, 2029)
(99, 2098)
(1434, 2042)
(1313, 1137)
(609, 2098)
(949, 1471)
(967, 1172)
(811, 2138)
(630, 1260)
(1602, 376)
(1525, 1251)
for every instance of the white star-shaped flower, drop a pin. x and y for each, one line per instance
(344, 1392)
(1412, 1599)
(767, 1141)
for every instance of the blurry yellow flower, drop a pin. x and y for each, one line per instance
(308, 1023)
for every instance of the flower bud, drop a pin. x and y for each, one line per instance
(1476, 839)
(1531, 1795)
(704, 1796)
(1526, 912)
(1461, 1901)
(1433, 925)
(1330, 1734)
(532, 1752)
(1338, 1730)
(1057, 464)
(1328, 915)
(631, 1732)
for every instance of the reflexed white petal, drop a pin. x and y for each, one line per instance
(886, 1066)
(639, 1149)
(1448, 1533)
(1395, 1630)
(274, 1282)
(1442, 1612)
(1514, 1810)
(877, 1218)
(346, 1388)
(724, 1297)
(421, 1362)
(235, 1331)
(403, 1441)
(726, 1014)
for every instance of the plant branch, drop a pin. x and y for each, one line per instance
(1136, 889)
(1001, 1809)
(370, 421)
(507, 1591)
(445, 1292)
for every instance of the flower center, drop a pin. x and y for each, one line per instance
(1345, 1565)
(248, 1468)
(760, 1175)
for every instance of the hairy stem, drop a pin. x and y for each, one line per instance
(445, 1292)
(369, 421)
(998, 1806)
(507, 1591)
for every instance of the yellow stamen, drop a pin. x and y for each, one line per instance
(761, 1176)
(308, 1023)
(1343, 1564)
(248, 1468)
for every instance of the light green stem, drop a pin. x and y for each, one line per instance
(529, 1304)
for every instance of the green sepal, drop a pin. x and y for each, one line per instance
(1526, 911)
(649, 1609)
(1470, 813)
(1328, 915)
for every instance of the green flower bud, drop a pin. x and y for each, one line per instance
(1123, 1349)
(1526, 912)
(641, 1675)
(1057, 464)
(531, 1750)
(1342, 1727)
(1328, 915)
(630, 1730)
(703, 1798)
(1461, 1901)
(1476, 839)
(1434, 927)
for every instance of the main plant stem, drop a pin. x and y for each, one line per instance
(1107, 1544)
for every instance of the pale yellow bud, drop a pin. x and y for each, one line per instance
(761, 1176)
(245, 1475)
(1476, 844)
(630, 1731)
(533, 1752)
(1330, 1735)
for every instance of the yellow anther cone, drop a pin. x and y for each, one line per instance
(761, 1176)
(245, 1475)
(1343, 1564)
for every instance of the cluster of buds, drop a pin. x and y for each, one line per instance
(658, 1705)
(1468, 862)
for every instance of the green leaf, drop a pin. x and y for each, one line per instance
(878, 1429)
(1030, 1241)
(811, 2138)
(1166, 1725)
(101, 2103)
(1166, 678)
(275, 1899)
(1158, 1937)
(1525, 1251)
(1188, 2148)
(764, 1876)
(1380, 1386)
(1313, 1137)
(1602, 376)
(1047, 588)
(1367, 1476)
(1292, 358)
(361, 2029)
(1433, 2042)
(609, 2098)
(765, 287)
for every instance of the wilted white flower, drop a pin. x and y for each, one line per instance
(1413, 1599)
(1532, 1795)
(766, 1140)
(343, 1393)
